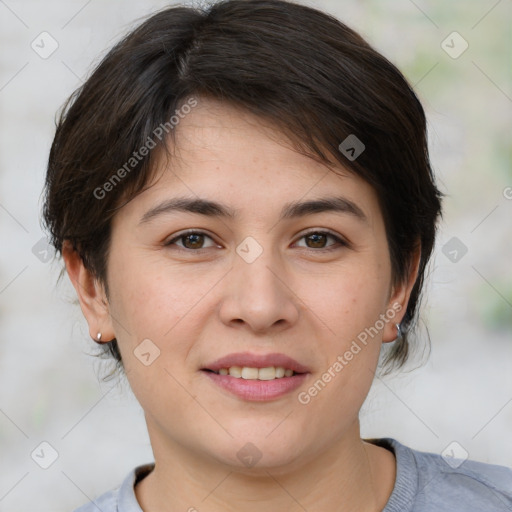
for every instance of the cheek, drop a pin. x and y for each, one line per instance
(152, 310)
(152, 298)
(349, 304)
(168, 305)
(348, 300)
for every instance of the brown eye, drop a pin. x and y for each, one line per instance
(193, 241)
(318, 240)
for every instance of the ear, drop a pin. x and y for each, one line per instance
(399, 298)
(91, 295)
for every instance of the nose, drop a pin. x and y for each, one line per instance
(258, 295)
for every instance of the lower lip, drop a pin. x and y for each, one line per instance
(257, 390)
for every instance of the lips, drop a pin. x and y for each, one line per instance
(247, 359)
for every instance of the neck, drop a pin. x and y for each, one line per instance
(349, 475)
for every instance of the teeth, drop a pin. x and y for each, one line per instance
(235, 371)
(269, 373)
(250, 373)
(265, 373)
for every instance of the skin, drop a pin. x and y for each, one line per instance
(294, 298)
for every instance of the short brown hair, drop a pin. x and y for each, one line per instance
(304, 70)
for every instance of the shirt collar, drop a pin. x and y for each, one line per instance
(401, 499)
(127, 501)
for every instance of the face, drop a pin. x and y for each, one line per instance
(269, 277)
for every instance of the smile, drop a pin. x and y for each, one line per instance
(252, 387)
(249, 373)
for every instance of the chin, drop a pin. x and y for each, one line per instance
(256, 450)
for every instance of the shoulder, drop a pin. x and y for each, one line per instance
(469, 484)
(429, 481)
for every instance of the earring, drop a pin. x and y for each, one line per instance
(398, 329)
(98, 336)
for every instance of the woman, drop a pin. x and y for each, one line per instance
(244, 202)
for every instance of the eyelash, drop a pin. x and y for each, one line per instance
(339, 241)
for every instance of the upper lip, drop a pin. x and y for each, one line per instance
(256, 361)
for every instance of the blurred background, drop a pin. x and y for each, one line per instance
(457, 399)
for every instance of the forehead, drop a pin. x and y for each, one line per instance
(223, 153)
(220, 133)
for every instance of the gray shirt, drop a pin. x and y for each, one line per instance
(425, 482)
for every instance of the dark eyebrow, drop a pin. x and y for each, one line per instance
(325, 204)
(289, 211)
(185, 204)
